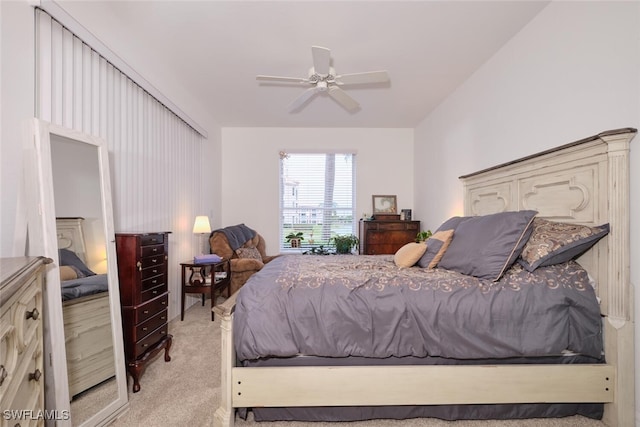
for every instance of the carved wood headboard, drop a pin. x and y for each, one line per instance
(584, 182)
(71, 236)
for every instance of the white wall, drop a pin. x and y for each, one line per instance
(250, 170)
(16, 105)
(572, 72)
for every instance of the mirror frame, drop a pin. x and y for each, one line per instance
(42, 240)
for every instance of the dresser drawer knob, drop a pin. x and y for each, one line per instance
(144, 329)
(163, 332)
(164, 303)
(146, 312)
(154, 292)
(3, 373)
(154, 281)
(145, 345)
(155, 271)
(35, 376)
(33, 314)
(139, 264)
(155, 249)
(163, 318)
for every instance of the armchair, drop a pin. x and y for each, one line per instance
(247, 258)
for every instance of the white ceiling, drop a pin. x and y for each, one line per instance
(212, 50)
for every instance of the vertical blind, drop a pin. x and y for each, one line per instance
(155, 157)
(317, 192)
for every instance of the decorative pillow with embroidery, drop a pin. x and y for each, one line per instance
(557, 242)
(250, 252)
(409, 254)
(437, 245)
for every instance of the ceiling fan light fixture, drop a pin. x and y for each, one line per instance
(323, 78)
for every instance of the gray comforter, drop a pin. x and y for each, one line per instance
(76, 288)
(347, 305)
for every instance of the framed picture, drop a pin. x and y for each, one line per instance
(384, 205)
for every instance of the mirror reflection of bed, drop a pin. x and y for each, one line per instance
(87, 323)
(83, 273)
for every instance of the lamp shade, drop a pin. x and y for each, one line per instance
(201, 225)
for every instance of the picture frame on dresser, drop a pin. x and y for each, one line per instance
(384, 204)
(56, 157)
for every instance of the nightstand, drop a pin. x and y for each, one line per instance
(205, 278)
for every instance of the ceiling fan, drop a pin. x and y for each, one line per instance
(323, 78)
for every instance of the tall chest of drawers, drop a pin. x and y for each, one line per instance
(143, 275)
(386, 237)
(21, 340)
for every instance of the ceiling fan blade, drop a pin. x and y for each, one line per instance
(359, 78)
(302, 99)
(282, 79)
(343, 99)
(321, 59)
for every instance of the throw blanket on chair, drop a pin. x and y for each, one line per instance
(237, 235)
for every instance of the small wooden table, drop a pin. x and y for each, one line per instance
(205, 278)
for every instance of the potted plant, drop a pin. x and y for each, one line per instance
(423, 236)
(294, 238)
(345, 243)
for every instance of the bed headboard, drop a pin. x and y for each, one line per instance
(71, 236)
(583, 182)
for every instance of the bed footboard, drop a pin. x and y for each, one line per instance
(90, 356)
(225, 414)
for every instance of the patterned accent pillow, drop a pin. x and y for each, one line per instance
(557, 242)
(250, 252)
(409, 254)
(437, 245)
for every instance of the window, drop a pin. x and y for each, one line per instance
(316, 197)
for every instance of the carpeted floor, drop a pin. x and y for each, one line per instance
(186, 391)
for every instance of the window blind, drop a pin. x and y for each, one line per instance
(317, 193)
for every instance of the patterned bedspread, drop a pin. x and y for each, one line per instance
(363, 305)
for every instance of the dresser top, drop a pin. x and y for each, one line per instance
(12, 269)
(141, 233)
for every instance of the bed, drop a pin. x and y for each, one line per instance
(86, 312)
(583, 183)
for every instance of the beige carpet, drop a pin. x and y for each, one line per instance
(186, 391)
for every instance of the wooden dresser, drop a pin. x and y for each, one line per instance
(21, 340)
(386, 237)
(144, 297)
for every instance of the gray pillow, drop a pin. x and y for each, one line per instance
(452, 223)
(70, 258)
(486, 246)
(436, 247)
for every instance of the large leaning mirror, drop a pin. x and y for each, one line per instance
(70, 220)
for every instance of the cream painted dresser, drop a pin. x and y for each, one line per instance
(21, 341)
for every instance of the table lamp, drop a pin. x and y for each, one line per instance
(201, 226)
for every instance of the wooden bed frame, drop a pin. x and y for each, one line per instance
(87, 322)
(585, 182)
